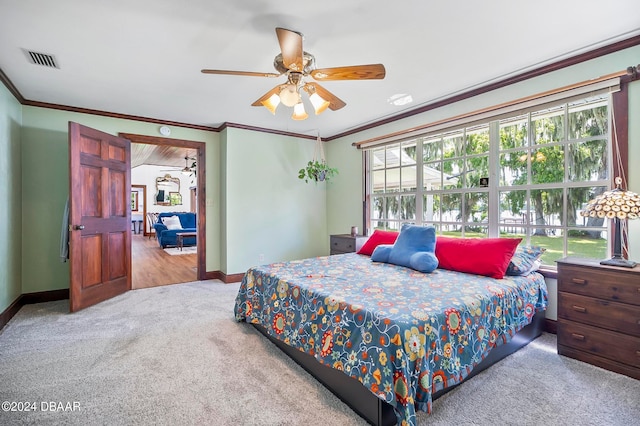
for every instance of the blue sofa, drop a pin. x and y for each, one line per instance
(167, 237)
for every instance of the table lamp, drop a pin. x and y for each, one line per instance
(618, 205)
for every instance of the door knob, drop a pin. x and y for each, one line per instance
(78, 227)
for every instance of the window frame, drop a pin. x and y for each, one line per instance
(614, 168)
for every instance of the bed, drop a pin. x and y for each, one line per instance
(392, 338)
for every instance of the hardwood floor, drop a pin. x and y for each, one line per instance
(151, 266)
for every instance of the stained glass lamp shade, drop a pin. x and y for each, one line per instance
(617, 205)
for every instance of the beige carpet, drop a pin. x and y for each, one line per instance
(174, 355)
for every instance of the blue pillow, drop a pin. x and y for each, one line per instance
(524, 260)
(414, 248)
(381, 253)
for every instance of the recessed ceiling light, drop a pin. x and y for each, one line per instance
(400, 99)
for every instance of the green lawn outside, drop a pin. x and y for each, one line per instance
(577, 246)
(595, 248)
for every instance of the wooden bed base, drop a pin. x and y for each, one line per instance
(366, 404)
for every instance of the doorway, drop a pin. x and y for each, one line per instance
(138, 208)
(151, 265)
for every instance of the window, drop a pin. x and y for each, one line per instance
(527, 176)
(394, 177)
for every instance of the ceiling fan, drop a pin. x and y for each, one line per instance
(186, 170)
(297, 65)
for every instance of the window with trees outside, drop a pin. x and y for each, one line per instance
(526, 176)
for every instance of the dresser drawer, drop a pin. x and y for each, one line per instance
(601, 283)
(346, 243)
(604, 343)
(601, 313)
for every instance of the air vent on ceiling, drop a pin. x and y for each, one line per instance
(44, 59)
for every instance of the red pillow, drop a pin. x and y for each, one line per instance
(482, 256)
(378, 237)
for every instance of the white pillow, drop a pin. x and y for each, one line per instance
(536, 265)
(172, 222)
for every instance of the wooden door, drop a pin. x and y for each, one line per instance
(99, 216)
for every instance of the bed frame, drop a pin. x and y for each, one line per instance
(366, 404)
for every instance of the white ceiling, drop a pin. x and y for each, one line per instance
(143, 57)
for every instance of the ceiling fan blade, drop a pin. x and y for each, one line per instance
(335, 103)
(242, 73)
(355, 72)
(267, 95)
(291, 48)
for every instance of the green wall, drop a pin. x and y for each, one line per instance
(268, 210)
(45, 186)
(256, 206)
(344, 199)
(223, 196)
(342, 207)
(10, 193)
(258, 211)
(634, 161)
(344, 194)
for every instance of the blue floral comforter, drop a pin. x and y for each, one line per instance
(403, 334)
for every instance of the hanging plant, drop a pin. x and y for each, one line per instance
(317, 169)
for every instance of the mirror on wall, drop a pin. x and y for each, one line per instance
(167, 187)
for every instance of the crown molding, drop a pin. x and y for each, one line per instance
(265, 130)
(26, 102)
(574, 60)
(592, 54)
(9, 85)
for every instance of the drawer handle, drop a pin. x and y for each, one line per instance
(579, 308)
(578, 281)
(577, 336)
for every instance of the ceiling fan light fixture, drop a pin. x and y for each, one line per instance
(187, 171)
(272, 103)
(289, 95)
(319, 104)
(299, 113)
(297, 64)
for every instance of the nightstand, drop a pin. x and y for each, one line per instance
(346, 243)
(599, 314)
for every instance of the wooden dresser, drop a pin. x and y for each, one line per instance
(599, 314)
(345, 243)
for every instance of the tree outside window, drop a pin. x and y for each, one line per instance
(549, 164)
